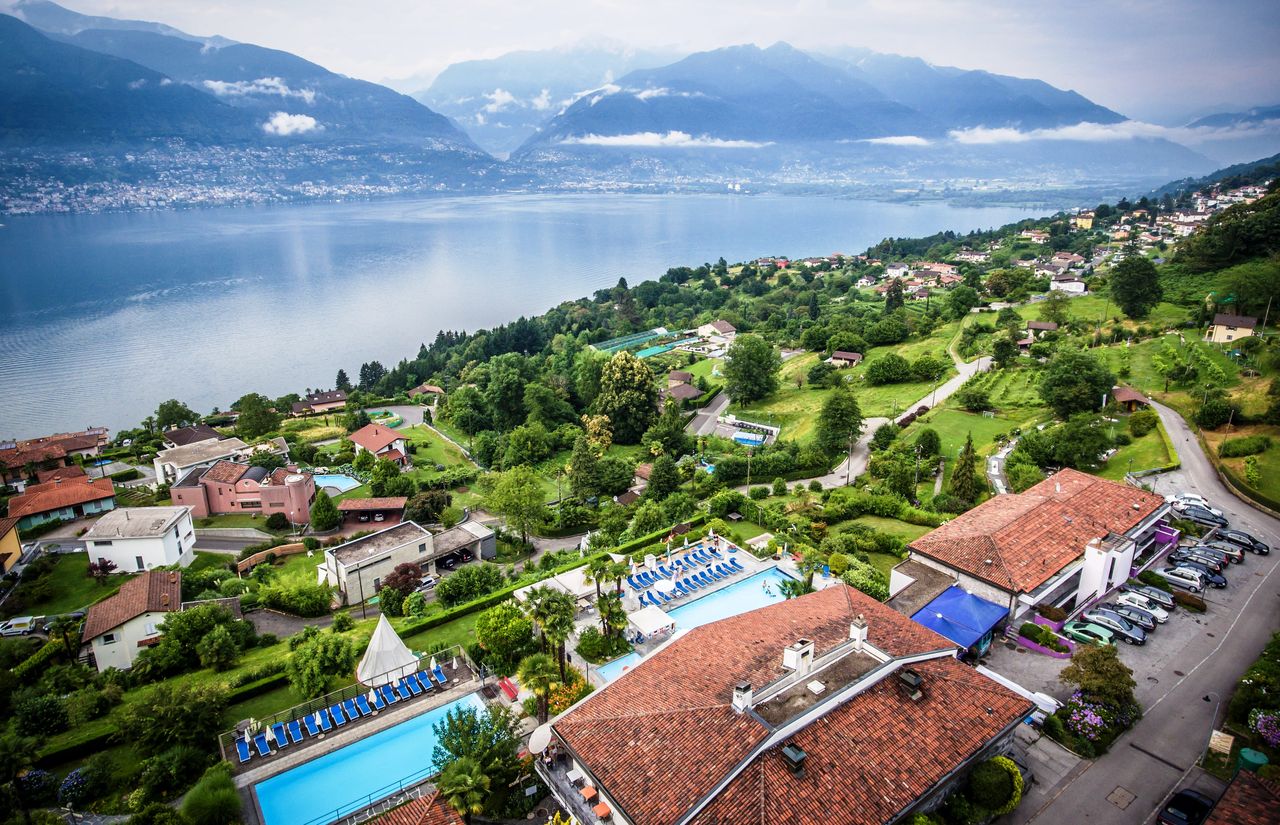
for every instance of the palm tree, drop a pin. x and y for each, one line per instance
(537, 606)
(613, 618)
(791, 588)
(68, 630)
(538, 672)
(618, 570)
(17, 754)
(562, 608)
(464, 785)
(598, 572)
(811, 562)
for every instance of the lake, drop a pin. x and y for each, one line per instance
(104, 316)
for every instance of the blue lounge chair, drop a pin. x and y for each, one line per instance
(260, 744)
(424, 679)
(716, 553)
(326, 724)
(411, 685)
(242, 750)
(438, 672)
(349, 706)
(737, 565)
(388, 695)
(703, 557)
(339, 718)
(711, 574)
(309, 722)
(281, 735)
(684, 591)
(295, 731)
(720, 568)
(631, 580)
(665, 598)
(696, 578)
(691, 584)
(363, 704)
(647, 578)
(376, 700)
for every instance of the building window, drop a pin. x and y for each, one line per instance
(251, 505)
(152, 628)
(422, 548)
(102, 544)
(138, 559)
(108, 638)
(377, 585)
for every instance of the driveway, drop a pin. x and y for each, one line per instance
(1185, 673)
(704, 420)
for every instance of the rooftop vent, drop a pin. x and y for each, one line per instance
(794, 757)
(798, 656)
(742, 696)
(858, 632)
(912, 684)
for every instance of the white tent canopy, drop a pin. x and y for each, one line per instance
(387, 659)
(573, 582)
(651, 621)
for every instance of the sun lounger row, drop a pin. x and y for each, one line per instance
(284, 734)
(689, 584)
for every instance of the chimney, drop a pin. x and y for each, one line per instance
(798, 656)
(912, 684)
(794, 756)
(742, 696)
(57, 481)
(858, 632)
(164, 599)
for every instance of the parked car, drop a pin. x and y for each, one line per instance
(1228, 552)
(1141, 602)
(18, 626)
(1088, 633)
(1202, 516)
(1182, 500)
(1125, 630)
(465, 555)
(1242, 539)
(1210, 561)
(1212, 577)
(447, 562)
(1134, 615)
(362, 518)
(1186, 807)
(379, 516)
(1183, 577)
(76, 614)
(1152, 594)
(427, 583)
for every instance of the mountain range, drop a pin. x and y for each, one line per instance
(599, 114)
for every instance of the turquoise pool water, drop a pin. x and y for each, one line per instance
(749, 439)
(750, 593)
(338, 481)
(341, 782)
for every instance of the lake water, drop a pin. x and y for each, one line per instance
(104, 316)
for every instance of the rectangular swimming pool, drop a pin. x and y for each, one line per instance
(342, 782)
(341, 483)
(757, 591)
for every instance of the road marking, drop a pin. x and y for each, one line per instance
(1155, 756)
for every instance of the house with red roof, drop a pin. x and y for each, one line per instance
(829, 708)
(62, 498)
(18, 458)
(1248, 800)
(119, 626)
(428, 809)
(1064, 542)
(382, 441)
(10, 544)
(236, 487)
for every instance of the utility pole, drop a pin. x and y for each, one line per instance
(848, 464)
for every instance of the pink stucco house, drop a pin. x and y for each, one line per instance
(230, 487)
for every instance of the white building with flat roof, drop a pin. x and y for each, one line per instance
(137, 539)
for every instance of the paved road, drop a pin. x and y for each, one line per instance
(1158, 756)
(704, 421)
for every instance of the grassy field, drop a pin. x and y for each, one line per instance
(72, 588)
(239, 520)
(432, 450)
(893, 527)
(1144, 453)
(1091, 309)
(1268, 460)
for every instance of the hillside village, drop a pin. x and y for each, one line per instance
(981, 496)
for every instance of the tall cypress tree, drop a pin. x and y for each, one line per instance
(965, 484)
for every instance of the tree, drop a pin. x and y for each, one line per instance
(173, 413)
(389, 480)
(557, 625)
(649, 518)
(364, 461)
(1099, 673)
(668, 431)
(1075, 381)
(218, 650)
(370, 374)
(929, 368)
(928, 442)
(664, 479)
(315, 662)
(628, 396)
(171, 714)
(17, 755)
(257, 417)
(584, 469)
(539, 673)
(213, 800)
(516, 495)
(403, 579)
(266, 460)
(1004, 350)
(1135, 284)
(889, 368)
(426, 507)
(67, 631)
(961, 300)
(1054, 307)
(893, 297)
(884, 435)
(505, 634)
(839, 422)
(342, 382)
(613, 617)
(466, 407)
(490, 736)
(324, 513)
(100, 569)
(464, 785)
(751, 368)
(965, 484)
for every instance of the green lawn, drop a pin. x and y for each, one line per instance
(1094, 308)
(238, 520)
(1144, 453)
(705, 368)
(794, 409)
(892, 526)
(432, 450)
(72, 588)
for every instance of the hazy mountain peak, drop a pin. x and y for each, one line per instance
(55, 19)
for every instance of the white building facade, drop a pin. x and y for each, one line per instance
(137, 539)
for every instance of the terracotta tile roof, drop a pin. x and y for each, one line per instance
(226, 472)
(425, 810)
(684, 392)
(375, 437)
(7, 524)
(842, 355)
(392, 455)
(643, 470)
(1122, 394)
(665, 734)
(1046, 326)
(680, 375)
(873, 757)
(351, 505)
(156, 591)
(74, 471)
(279, 474)
(190, 435)
(423, 389)
(1019, 541)
(1248, 800)
(41, 498)
(34, 454)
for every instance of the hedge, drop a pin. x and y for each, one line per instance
(126, 475)
(1240, 447)
(79, 749)
(46, 653)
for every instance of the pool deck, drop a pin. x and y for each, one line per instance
(753, 565)
(461, 682)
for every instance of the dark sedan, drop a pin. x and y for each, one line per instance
(1155, 594)
(1187, 807)
(1135, 615)
(1214, 578)
(1209, 560)
(1244, 540)
(1202, 516)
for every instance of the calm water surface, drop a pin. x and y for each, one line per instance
(104, 316)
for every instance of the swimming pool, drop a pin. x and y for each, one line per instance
(341, 782)
(749, 439)
(337, 481)
(757, 591)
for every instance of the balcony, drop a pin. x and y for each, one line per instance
(567, 784)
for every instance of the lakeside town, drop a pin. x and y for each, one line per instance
(959, 529)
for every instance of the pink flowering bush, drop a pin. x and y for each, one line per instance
(1267, 725)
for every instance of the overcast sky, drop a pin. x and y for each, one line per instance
(1160, 61)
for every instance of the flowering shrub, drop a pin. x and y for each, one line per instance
(1267, 724)
(1085, 718)
(38, 785)
(74, 789)
(564, 695)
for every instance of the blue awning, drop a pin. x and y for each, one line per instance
(960, 616)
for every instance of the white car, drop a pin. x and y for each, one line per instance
(1182, 500)
(1143, 603)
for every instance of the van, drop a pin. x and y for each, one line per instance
(19, 626)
